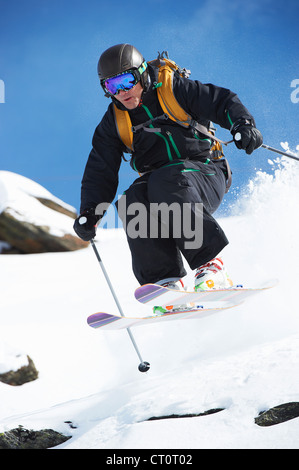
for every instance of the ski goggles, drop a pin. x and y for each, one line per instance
(124, 81)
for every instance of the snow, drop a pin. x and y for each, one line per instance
(11, 359)
(244, 360)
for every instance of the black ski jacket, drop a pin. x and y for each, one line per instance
(204, 102)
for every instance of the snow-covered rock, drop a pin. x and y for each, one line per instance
(16, 367)
(32, 220)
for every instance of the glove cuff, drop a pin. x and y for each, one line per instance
(88, 212)
(240, 123)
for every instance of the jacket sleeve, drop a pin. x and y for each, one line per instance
(210, 102)
(100, 178)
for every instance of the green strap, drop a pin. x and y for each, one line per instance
(173, 144)
(230, 121)
(158, 133)
(167, 145)
(163, 137)
(190, 170)
(173, 164)
(134, 166)
(208, 140)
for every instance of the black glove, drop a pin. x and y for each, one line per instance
(85, 225)
(246, 136)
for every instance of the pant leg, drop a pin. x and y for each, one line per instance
(153, 258)
(192, 182)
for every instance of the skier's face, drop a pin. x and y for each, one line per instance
(130, 98)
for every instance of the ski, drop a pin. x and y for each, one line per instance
(154, 294)
(107, 321)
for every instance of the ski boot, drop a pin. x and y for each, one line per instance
(170, 284)
(212, 275)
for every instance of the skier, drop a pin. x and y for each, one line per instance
(174, 165)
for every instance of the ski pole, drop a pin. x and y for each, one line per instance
(143, 366)
(290, 155)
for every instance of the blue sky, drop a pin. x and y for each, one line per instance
(49, 51)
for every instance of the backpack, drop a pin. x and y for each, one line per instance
(166, 69)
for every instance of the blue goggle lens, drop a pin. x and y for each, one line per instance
(126, 81)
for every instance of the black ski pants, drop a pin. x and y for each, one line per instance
(193, 190)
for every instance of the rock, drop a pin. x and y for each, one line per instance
(24, 374)
(21, 438)
(25, 237)
(32, 220)
(57, 207)
(187, 415)
(278, 414)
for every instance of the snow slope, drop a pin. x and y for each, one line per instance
(244, 360)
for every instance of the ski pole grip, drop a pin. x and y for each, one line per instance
(82, 220)
(238, 136)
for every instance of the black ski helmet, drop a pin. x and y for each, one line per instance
(117, 59)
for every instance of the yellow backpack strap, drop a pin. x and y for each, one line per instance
(123, 126)
(167, 99)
